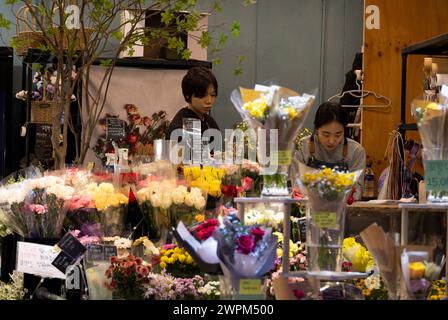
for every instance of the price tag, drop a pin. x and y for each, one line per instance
(250, 287)
(436, 175)
(282, 157)
(325, 219)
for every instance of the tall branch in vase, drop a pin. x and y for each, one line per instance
(79, 33)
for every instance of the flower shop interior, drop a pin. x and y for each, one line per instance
(98, 202)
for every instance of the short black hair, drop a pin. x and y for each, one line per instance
(329, 112)
(196, 83)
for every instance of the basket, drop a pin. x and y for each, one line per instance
(28, 37)
(43, 111)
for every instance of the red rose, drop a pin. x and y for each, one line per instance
(247, 183)
(206, 233)
(298, 293)
(229, 191)
(132, 138)
(245, 244)
(257, 233)
(206, 224)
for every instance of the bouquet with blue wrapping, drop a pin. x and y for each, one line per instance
(244, 251)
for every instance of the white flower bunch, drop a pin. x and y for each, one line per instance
(123, 243)
(163, 194)
(266, 217)
(210, 290)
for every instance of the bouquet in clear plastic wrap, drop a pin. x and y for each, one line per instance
(209, 180)
(164, 204)
(327, 190)
(245, 252)
(432, 123)
(419, 273)
(273, 108)
(111, 209)
(36, 208)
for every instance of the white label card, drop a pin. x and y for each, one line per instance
(36, 259)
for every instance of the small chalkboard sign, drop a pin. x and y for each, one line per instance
(115, 129)
(72, 246)
(302, 229)
(43, 148)
(63, 261)
(99, 252)
(71, 251)
(110, 251)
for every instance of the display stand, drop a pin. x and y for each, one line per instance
(314, 277)
(406, 208)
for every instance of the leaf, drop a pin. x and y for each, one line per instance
(117, 34)
(105, 62)
(217, 61)
(11, 2)
(4, 23)
(217, 6)
(205, 39)
(223, 39)
(235, 30)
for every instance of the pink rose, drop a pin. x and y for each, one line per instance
(247, 183)
(257, 233)
(245, 244)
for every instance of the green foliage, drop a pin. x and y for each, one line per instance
(205, 39)
(4, 23)
(106, 62)
(11, 2)
(235, 30)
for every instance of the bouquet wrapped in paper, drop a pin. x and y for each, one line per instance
(386, 255)
(36, 208)
(281, 112)
(327, 190)
(245, 252)
(418, 273)
(199, 242)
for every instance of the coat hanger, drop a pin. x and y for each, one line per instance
(361, 94)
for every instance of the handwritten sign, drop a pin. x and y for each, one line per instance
(43, 148)
(115, 129)
(302, 229)
(325, 219)
(36, 259)
(98, 252)
(436, 175)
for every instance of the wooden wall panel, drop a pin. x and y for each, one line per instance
(402, 23)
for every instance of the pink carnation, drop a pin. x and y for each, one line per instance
(38, 208)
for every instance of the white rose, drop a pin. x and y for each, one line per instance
(167, 201)
(189, 200)
(156, 200)
(179, 197)
(199, 203)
